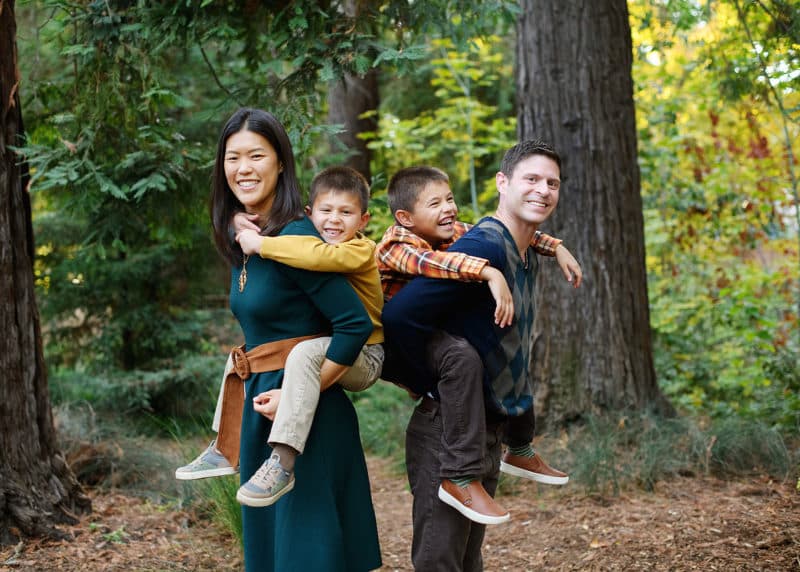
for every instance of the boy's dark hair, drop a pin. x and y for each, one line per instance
(525, 149)
(342, 179)
(407, 184)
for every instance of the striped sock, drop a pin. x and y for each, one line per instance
(523, 451)
(463, 481)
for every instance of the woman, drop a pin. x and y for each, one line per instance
(327, 523)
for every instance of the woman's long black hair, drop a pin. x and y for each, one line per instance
(288, 203)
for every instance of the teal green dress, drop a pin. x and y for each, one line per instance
(327, 523)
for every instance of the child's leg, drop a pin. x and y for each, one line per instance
(210, 463)
(460, 373)
(520, 459)
(299, 394)
(365, 370)
(291, 426)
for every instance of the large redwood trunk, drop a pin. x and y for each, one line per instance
(592, 347)
(37, 488)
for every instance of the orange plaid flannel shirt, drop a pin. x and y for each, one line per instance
(402, 255)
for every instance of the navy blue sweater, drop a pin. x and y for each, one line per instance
(466, 309)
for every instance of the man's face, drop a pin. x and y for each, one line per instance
(530, 195)
(434, 214)
(337, 216)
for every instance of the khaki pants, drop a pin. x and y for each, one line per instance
(300, 391)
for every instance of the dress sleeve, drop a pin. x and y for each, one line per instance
(333, 296)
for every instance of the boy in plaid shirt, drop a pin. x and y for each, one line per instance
(425, 211)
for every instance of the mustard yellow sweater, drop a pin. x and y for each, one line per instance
(355, 259)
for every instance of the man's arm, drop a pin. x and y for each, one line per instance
(547, 245)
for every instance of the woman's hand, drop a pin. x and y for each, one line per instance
(569, 266)
(250, 241)
(243, 221)
(504, 312)
(267, 402)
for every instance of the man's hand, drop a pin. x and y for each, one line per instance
(250, 241)
(267, 402)
(569, 266)
(504, 312)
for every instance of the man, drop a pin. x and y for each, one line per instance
(528, 185)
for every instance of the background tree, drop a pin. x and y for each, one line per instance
(350, 99)
(593, 348)
(37, 488)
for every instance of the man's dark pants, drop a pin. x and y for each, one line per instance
(444, 540)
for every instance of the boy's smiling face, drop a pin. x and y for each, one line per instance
(434, 215)
(337, 216)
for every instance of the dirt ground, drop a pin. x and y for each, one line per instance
(686, 524)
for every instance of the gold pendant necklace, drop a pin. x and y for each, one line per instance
(243, 273)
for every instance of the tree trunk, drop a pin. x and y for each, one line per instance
(37, 487)
(348, 98)
(592, 347)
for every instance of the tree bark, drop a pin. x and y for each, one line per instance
(592, 347)
(37, 487)
(348, 98)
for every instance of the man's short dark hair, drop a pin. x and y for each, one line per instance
(525, 149)
(340, 179)
(407, 184)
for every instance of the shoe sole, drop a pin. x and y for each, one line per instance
(191, 476)
(259, 502)
(474, 516)
(539, 478)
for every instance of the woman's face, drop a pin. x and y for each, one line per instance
(252, 169)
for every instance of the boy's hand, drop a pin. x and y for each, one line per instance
(504, 312)
(569, 266)
(267, 402)
(250, 241)
(243, 221)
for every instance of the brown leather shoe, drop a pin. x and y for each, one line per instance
(533, 468)
(473, 502)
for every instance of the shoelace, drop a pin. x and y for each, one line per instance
(264, 472)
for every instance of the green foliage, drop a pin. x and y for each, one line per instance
(219, 496)
(383, 413)
(609, 455)
(178, 393)
(461, 132)
(722, 241)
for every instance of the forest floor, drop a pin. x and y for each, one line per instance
(685, 524)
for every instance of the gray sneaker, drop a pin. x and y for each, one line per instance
(210, 463)
(270, 483)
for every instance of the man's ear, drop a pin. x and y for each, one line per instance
(307, 210)
(501, 182)
(405, 218)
